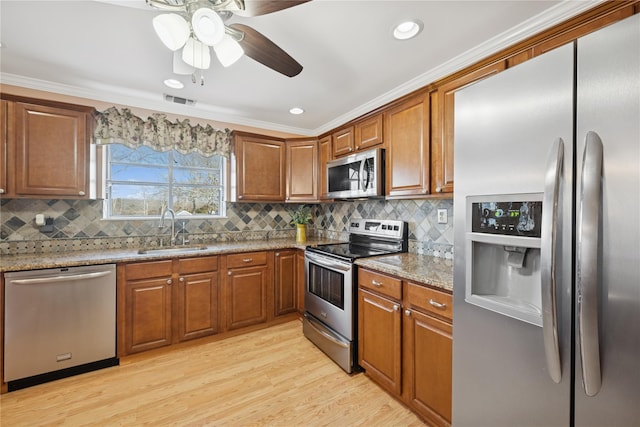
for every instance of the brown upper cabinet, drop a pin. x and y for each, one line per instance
(324, 155)
(444, 124)
(342, 142)
(368, 132)
(45, 149)
(4, 129)
(407, 139)
(365, 134)
(302, 170)
(260, 168)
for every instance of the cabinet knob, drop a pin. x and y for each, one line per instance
(240, 196)
(169, 281)
(407, 313)
(228, 273)
(438, 189)
(277, 253)
(1, 190)
(376, 283)
(182, 280)
(80, 193)
(396, 307)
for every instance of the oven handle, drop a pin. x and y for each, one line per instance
(325, 334)
(323, 261)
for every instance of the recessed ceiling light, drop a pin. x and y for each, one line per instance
(173, 84)
(407, 29)
(296, 110)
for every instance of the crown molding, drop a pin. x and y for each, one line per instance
(543, 21)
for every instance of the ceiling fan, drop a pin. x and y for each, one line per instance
(191, 27)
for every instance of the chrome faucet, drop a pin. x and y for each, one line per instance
(173, 223)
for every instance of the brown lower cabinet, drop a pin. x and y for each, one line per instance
(167, 302)
(405, 342)
(247, 289)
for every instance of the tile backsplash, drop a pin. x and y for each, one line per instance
(78, 224)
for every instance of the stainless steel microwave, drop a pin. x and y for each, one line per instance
(357, 175)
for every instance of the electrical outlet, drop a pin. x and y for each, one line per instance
(442, 216)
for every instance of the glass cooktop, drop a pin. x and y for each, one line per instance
(347, 250)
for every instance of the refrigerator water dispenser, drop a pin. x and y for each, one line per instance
(503, 255)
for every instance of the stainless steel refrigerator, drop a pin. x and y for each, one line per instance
(546, 328)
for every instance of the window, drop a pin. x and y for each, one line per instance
(139, 181)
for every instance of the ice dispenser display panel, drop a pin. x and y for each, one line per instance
(503, 255)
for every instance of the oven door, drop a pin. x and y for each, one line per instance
(329, 292)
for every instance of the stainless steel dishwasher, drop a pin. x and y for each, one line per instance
(58, 322)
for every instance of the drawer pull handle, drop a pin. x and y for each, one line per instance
(247, 260)
(436, 304)
(376, 283)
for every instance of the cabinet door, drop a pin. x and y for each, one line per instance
(4, 130)
(51, 151)
(368, 133)
(343, 142)
(285, 282)
(379, 340)
(302, 171)
(407, 139)
(427, 366)
(260, 168)
(246, 297)
(444, 125)
(196, 306)
(148, 316)
(324, 155)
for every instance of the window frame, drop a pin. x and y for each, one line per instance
(104, 182)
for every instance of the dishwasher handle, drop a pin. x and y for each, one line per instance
(62, 278)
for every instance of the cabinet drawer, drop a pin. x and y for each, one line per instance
(430, 300)
(380, 283)
(148, 270)
(198, 265)
(246, 259)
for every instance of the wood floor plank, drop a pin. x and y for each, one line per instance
(271, 377)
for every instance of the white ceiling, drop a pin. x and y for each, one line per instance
(108, 52)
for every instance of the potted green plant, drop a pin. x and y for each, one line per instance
(301, 217)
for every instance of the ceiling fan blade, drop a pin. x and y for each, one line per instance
(259, 48)
(263, 7)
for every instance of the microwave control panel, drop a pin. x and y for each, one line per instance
(510, 218)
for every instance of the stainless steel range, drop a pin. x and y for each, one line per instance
(330, 285)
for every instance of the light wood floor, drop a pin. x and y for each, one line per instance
(271, 377)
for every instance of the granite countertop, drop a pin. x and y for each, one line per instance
(108, 256)
(432, 271)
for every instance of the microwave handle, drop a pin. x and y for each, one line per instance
(364, 181)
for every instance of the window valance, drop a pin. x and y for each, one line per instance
(115, 126)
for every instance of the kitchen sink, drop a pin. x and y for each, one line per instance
(171, 250)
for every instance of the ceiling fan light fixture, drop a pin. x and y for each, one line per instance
(228, 51)
(408, 29)
(179, 66)
(172, 30)
(207, 26)
(196, 54)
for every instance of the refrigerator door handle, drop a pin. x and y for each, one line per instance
(549, 227)
(588, 264)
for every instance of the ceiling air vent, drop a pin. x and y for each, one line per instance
(178, 100)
